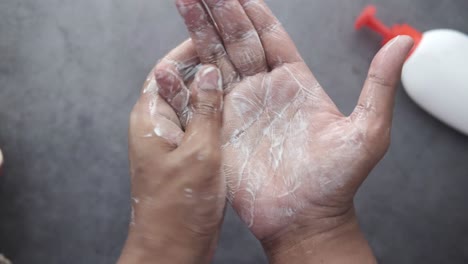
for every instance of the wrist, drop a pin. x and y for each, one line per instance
(173, 231)
(143, 248)
(339, 241)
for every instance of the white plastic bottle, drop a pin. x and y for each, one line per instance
(435, 74)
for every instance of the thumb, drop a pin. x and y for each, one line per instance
(204, 127)
(376, 102)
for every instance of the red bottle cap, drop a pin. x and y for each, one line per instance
(368, 19)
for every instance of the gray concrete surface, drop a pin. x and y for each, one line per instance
(70, 72)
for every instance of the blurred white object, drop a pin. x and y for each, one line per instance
(436, 76)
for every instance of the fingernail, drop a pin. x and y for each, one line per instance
(408, 40)
(399, 39)
(210, 79)
(391, 42)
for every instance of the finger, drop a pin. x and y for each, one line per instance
(204, 129)
(278, 46)
(376, 102)
(239, 36)
(172, 73)
(153, 117)
(183, 60)
(205, 38)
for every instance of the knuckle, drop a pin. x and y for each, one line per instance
(379, 80)
(161, 72)
(378, 137)
(375, 136)
(377, 128)
(216, 4)
(213, 55)
(219, 51)
(206, 154)
(186, 6)
(212, 160)
(205, 108)
(361, 107)
(239, 35)
(270, 28)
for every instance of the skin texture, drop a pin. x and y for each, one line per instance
(178, 194)
(292, 161)
(288, 152)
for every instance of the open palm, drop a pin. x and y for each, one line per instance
(290, 157)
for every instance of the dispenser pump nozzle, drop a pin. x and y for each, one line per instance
(368, 19)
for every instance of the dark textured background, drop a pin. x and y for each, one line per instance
(70, 72)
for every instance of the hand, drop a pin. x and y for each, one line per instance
(4, 260)
(292, 161)
(178, 194)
